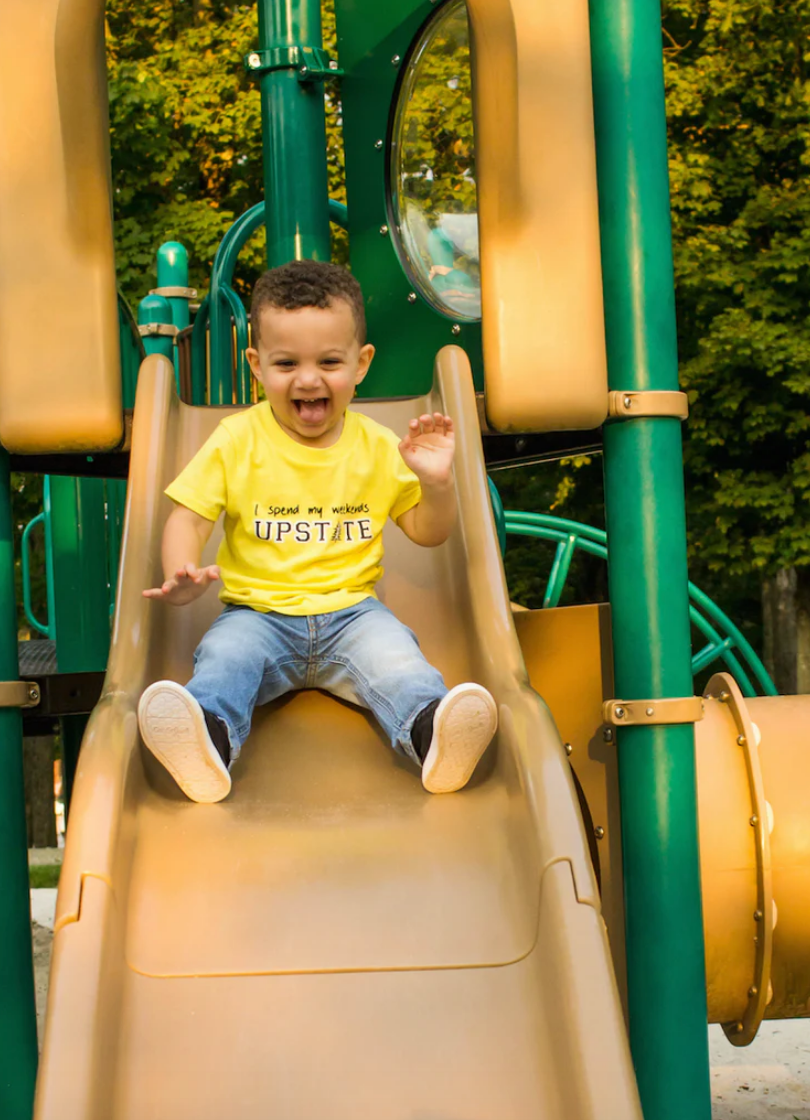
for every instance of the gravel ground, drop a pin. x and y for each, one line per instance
(768, 1080)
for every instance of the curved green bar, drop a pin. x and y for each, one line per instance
(26, 575)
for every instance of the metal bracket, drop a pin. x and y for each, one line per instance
(174, 292)
(635, 713)
(153, 329)
(312, 63)
(651, 402)
(19, 694)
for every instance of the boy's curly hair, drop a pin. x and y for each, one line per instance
(307, 284)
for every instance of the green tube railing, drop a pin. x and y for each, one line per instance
(45, 629)
(222, 310)
(723, 637)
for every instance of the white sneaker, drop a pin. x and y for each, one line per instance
(463, 726)
(174, 729)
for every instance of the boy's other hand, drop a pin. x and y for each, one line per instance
(428, 448)
(187, 584)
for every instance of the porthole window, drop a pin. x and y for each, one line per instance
(433, 168)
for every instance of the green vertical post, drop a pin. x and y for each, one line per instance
(157, 310)
(293, 139)
(172, 272)
(646, 527)
(18, 1021)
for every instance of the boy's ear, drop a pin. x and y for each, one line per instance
(365, 356)
(252, 356)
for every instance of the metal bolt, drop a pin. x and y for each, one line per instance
(33, 692)
(618, 712)
(599, 832)
(333, 65)
(740, 740)
(739, 1028)
(384, 230)
(724, 697)
(752, 992)
(254, 61)
(395, 61)
(411, 297)
(569, 749)
(627, 402)
(378, 144)
(754, 821)
(304, 70)
(757, 915)
(455, 329)
(607, 734)
(650, 711)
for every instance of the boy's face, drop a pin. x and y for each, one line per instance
(309, 361)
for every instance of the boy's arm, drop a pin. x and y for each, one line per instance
(184, 537)
(428, 450)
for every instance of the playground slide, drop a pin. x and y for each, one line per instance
(329, 943)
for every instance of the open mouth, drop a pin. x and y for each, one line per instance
(312, 410)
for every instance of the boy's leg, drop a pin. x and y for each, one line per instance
(368, 656)
(197, 731)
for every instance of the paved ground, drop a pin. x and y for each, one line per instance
(769, 1080)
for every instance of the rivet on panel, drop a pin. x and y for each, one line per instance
(618, 712)
(378, 144)
(455, 329)
(411, 297)
(650, 711)
(740, 740)
(739, 1028)
(723, 697)
(569, 749)
(333, 65)
(599, 832)
(607, 734)
(752, 992)
(754, 821)
(757, 915)
(384, 230)
(395, 61)
(627, 402)
(254, 61)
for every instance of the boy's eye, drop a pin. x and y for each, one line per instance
(331, 361)
(285, 363)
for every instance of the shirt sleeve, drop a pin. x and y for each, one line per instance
(202, 486)
(407, 489)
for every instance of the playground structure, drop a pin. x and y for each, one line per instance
(330, 942)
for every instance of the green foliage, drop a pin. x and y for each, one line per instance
(44, 875)
(739, 125)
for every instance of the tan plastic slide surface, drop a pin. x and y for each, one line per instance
(330, 942)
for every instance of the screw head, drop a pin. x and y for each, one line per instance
(455, 329)
(607, 734)
(740, 740)
(757, 915)
(384, 231)
(378, 144)
(569, 749)
(254, 61)
(752, 992)
(33, 692)
(754, 821)
(599, 832)
(739, 1028)
(627, 401)
(333, 65)
(618, 712)
(650, 711)
(395, 61)
(723, 698)
(304, 70)
(411, 297)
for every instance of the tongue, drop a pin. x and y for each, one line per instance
(312, 412)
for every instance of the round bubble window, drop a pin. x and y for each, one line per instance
(433, 168)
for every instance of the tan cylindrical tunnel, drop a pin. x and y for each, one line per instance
(753, 772)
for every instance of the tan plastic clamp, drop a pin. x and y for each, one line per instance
(157, 328)
(651, 402)
(629, 713)
(174, 292)
(724, 689)
(19, 694)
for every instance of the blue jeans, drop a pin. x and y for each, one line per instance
(363, 654)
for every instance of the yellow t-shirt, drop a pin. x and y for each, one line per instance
(303, 525)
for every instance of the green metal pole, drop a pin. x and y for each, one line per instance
(157, 310)
(293, 139)
(172, 272)
(18, 1020)
(647, 569)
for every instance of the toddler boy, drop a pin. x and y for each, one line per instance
(305, 487)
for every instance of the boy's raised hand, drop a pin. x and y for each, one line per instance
(187, 584)
(428, 448)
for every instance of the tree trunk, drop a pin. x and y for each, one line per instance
(39, 796)
(786, 620)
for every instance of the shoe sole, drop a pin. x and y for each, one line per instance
(173, 728)
(463, 727)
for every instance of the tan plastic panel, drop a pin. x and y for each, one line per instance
(541, 278)
(291, 952)
(60, 385)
